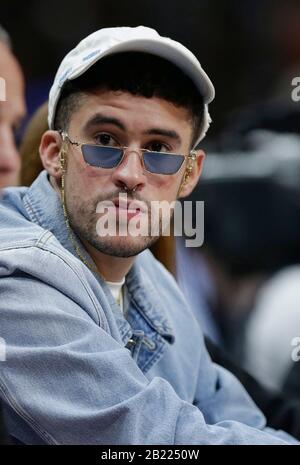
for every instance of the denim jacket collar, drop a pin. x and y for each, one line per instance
(141, 288)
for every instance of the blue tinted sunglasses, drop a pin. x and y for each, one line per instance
(102, 156)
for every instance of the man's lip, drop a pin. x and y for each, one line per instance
(129, 205)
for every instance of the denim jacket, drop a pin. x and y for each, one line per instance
(77, 372)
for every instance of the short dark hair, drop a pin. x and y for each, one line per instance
(139, 74)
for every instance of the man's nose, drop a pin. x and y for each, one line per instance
(130, 172)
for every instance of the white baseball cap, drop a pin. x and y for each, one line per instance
(109, 41)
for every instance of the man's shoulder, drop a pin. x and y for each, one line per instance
(35, 253)
(18, 232)
(16, 227)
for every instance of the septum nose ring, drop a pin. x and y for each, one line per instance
(131, 190)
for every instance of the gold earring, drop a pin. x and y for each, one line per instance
(188, 170)
(62, 160)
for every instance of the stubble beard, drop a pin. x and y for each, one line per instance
(83, 220)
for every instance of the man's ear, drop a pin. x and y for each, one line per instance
(193, 170)
(50, 147)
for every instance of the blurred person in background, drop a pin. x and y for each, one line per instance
(12, 112)
(244, 241)
(273, 323)
(251, 252)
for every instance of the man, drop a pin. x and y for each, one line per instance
(12, 109)
(101, 345)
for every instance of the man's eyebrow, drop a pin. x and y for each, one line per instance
(102, 119)
(164, 132)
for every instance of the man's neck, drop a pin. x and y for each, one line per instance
(111, 268)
